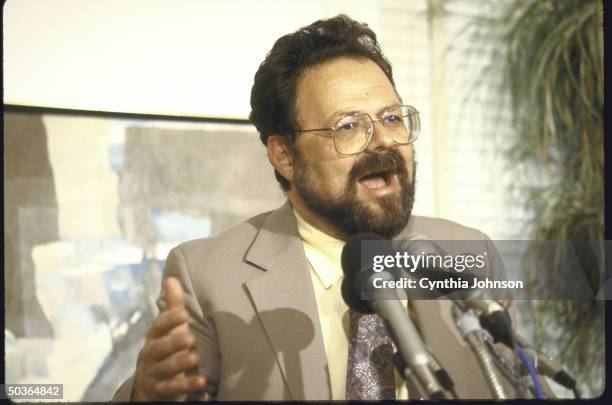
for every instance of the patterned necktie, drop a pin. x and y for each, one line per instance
(369, 374)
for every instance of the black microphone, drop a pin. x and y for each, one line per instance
(427, 250)
(493, 316)
(495, 319)
(359, 279)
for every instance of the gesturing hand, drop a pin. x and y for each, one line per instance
(168, 352)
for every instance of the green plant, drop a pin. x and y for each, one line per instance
(553, 70)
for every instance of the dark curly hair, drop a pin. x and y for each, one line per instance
(274, 87)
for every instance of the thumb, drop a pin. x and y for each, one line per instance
(173, 293)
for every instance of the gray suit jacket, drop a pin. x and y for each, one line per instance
(254, 315)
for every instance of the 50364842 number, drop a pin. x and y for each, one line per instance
(33, 391)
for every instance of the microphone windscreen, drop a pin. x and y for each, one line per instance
(421, 245)
(357, 265)
(352, 296)
(433, 266)
(352, 252)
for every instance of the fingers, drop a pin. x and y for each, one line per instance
(179, 385)
(173, 293)
(168, 352)
(178, 339)
(163, 363)
(166, 321)
(150, 389)
(174, 364)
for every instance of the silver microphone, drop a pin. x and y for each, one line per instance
(469, 327)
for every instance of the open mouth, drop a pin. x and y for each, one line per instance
(377, 179)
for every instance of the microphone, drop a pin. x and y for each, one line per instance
(358, 278)
(493, 316)
(432, 265)
(548, 366)
(495, 319)
(472, 332)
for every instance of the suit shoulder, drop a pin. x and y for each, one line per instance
(440, 229)
(228, 240)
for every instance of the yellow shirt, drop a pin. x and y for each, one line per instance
(323, 253)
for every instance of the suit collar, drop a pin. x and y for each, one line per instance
(284, 299)
(277, 233)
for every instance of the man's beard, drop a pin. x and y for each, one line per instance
(349, 215)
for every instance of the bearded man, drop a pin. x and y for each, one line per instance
(255, 312)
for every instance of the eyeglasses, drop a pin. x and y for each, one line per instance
(352, 134)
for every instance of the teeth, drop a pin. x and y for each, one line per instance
(374, 182)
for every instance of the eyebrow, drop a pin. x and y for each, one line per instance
(336, 115)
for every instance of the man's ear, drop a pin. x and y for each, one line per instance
(280, 156)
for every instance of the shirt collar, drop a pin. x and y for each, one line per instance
(323, 251)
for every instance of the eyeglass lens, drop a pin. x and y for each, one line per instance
(353, 133)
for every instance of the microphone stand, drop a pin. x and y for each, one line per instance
(440, 373)
(409, 376)
(416, 365)
(513, 375)
(469, 327)
(412, 360)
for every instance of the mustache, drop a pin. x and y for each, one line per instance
(391, 159)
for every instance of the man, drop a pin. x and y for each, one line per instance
(255, 312)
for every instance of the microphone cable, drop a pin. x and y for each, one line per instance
(536, 383)
(511, 373)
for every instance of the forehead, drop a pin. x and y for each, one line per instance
(343, 84)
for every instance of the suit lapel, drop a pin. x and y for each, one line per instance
(285, 303)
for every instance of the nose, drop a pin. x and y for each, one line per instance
(382, 138)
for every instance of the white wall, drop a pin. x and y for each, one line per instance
(180, 57)
(198, 58)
